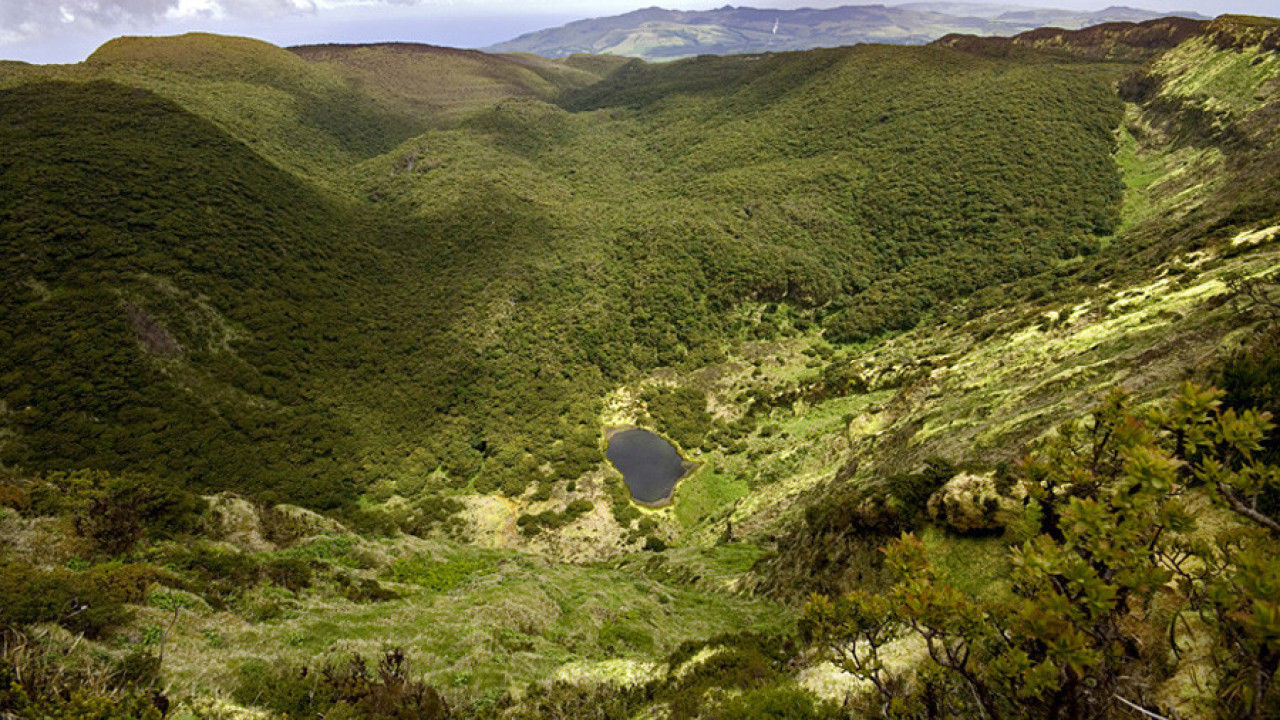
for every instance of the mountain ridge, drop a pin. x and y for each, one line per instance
(656, 33)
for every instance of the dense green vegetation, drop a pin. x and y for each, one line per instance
(1116, 557)
(161, 279)
(505, 272)
(306, 367)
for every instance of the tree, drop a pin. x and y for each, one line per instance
(1077, 637)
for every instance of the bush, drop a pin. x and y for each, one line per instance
(289, 573)
(680, 413)
(364, 590)
(435, 575)
(34, 684)
(90, 602)
(778, 702)
(342, 689)
(550, 519)
(116, 510)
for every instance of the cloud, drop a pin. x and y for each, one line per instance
(26, 20)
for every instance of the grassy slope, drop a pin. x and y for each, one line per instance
(516, 620)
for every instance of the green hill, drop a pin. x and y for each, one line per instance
(519, 271)
(147, 259)
(307, 119)
(440, 84)
(309, 356)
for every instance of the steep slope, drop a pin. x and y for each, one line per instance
(917, 180)
(148, 255)
(305, 118)
(509, 271)
(432, 340)
(1209, 106)
(1201, 214)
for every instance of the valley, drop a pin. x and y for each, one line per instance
(312, 360)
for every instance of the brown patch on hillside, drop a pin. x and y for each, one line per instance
(1108, 41)
(154, 338)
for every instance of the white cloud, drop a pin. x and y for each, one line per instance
(195, 9)
(28, 20)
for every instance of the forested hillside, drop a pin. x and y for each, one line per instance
(507, 271)
(309, 358)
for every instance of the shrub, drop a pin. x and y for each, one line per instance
(435, 575)
(1088, 622)
(777, 702)
(342, 689)
(680, 413)
(34, 684)
(550, 519)
(116, 510)
(89, 602)
(292, 574)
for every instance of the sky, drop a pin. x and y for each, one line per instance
(66, 31)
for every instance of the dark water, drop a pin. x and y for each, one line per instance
(649, 464)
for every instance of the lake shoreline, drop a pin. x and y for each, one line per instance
(687, 467)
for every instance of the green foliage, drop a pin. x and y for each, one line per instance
(624, 511)
(114, 511)
(348, 689)
(680, 413)
(438, 576)
(33, 683)
(182, 306)
(1115, 531)
(222, 577)
(90, 602)
(551, 519)
(738, 675)
(778, 702)
(654, 544)
(328, 548)
(621, 639)
(128, 225)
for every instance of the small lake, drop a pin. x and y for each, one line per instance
(650, 465)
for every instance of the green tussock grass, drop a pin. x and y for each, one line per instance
(501, 621)
(706, 493)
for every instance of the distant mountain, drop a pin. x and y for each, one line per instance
(658, 34)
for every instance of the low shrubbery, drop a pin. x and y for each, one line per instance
(350, 690)
(1118, 582)
(91, 602)
(37, 681)
(440, 576)
(552, 520)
